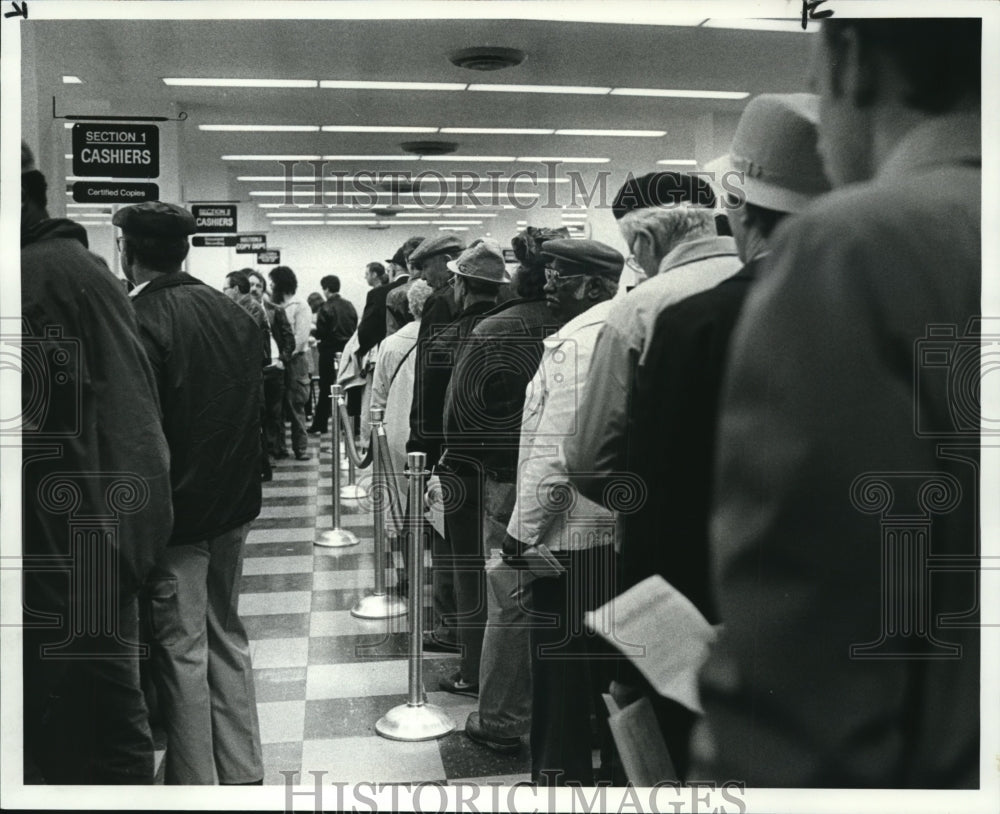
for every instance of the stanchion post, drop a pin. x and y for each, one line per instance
(379, 605)
(416, 720)
(336, 537)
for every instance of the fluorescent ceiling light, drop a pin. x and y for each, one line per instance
(687, 162)
(198, 82)
(563, 160)
(351, 222)
(572, 216)
(626, 133)
(572, 89)
(467, 158)
(460, 223)
(453, 228)
(71, 80)
(350, 128)
(409, 222)
(271, 158)
(349, 84)
(295, 214)
(261, 128)
(371, 158)
(407, 215)
(461, 213)
(297, 223)
(681, 94)
(350, 214)
(791, 26)
(500, 131)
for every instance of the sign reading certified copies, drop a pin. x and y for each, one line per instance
(123, 192)
(214, 217)
(116, 150)
(249, 244)
(269, 257)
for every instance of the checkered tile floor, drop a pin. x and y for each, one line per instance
(323, 677)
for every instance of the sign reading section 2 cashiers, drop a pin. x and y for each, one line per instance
(214, 217)
(116, 150)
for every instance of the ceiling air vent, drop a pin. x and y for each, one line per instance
(388, 212)
(429, 147)
(487, 59)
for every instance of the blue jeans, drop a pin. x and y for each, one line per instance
(505, 667)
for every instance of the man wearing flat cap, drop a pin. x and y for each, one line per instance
(575, 535)
(668, 222)
(205, 353)
(676, 400)
(397, 309)
(478, 273)
(91, 430)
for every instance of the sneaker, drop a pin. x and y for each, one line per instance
(456, 685)
(433, 645)
(303, 456)
(503, 744)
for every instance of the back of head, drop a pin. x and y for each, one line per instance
(240, 280)
(379, 271)
(417, 296)
(156, 234)
(331, 283)
(285, 282)
(940, 59)
(527, 244)
(34, 189)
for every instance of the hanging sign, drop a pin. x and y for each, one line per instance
(118, 192)
(248, 244)
(116, 150)
(214, 217)
(213, 241)
(269, 257)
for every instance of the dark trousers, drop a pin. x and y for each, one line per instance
(273, 422)
(85, 717)
(327, 378)
(570, 667)
(464, 562)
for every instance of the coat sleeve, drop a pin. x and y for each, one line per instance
(371, 329)
(819, 392)
(596, 450)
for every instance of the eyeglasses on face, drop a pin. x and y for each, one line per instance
(554, 276)
(634, 265)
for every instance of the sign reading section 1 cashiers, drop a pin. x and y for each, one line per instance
(116, 150)
(214, 217)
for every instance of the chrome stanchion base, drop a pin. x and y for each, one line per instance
(353, 491)
(379, 606)
(415, 723)
(336, 538)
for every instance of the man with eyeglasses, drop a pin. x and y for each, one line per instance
(564, 543)
(668, 222)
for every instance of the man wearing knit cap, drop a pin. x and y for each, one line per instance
(668, 222)
(478, 272)
(675, 406)
(847, 472)
(91, 432)
(205, 353)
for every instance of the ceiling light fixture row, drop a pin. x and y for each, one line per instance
(477, 158)
(352, 84)
(353, 128)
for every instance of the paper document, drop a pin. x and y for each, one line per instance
(675, 635)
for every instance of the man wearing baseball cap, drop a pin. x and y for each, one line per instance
(675, 405)
(573, 535)
(205, 352)
(668, 222)
(91, 440)
(479, 271)
(845, 474)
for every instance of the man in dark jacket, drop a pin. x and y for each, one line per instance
(96, 502)
(205, 354)
(371, 329)
(483, 421)
(479, 272)
(335, 322)
(282, 348)
(675, 412)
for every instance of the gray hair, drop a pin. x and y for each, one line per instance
(416, 297)
(668, 226)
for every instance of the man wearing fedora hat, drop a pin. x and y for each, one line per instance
(675, 405)
(847, 659)
(668, 222)
(479, 272)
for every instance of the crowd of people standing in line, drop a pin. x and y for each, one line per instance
(745, 384)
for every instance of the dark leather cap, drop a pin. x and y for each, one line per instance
(584, 257)
(662, 189)
(155, 219)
